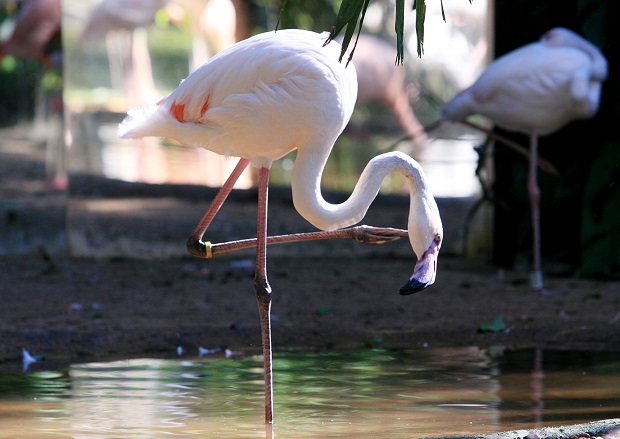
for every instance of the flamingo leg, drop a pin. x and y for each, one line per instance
(198, 248)
(194, 244)
(362, 233)
(263, 290)
(534, 191)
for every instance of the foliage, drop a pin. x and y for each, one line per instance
(316, 15)
(600, 227)
(18, 79)
(351, 17)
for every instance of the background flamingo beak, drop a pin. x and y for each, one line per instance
(424, 271)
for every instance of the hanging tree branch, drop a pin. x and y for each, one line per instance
(351, 17)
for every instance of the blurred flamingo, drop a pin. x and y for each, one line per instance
(211, 23)
(122, 23)
(36, 35)
(260, 99)
(380, 80)
(36, 32)
(536, 90)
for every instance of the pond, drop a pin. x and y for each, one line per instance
(372, 393)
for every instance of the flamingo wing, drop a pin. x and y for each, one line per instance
(232, 103)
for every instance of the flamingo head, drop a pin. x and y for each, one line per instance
(562, 37)
(425, 269)
(559, 36)
(426, 236)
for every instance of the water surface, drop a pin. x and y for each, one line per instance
(372, 393)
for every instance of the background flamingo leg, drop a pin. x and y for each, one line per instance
(534, 192)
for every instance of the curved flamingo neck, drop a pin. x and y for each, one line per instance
(424, 220)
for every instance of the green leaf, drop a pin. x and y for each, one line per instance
(496, 325)
(419, 24)
(350, 16)
(399, 25)
(282, 6)
(349, 11)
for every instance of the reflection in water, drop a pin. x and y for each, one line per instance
(374, 393)
(538, 387)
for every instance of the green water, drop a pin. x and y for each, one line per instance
(371, 393)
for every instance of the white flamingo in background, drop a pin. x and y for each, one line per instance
(536, 90)
(211, 23)
(262, 98)
(123, 24)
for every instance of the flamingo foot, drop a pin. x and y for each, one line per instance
(538, 288)
(536, 280)
(377, 235)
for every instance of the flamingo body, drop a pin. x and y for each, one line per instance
(539, 87)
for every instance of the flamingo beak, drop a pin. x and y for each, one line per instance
(424, 271)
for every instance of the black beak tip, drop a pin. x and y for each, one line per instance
(413, 286)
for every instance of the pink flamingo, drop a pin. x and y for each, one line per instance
(258, 100)
(37, 25)
(123, 23)
(536, 90)
(212, 24)
(379, 79)
(36, 35)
